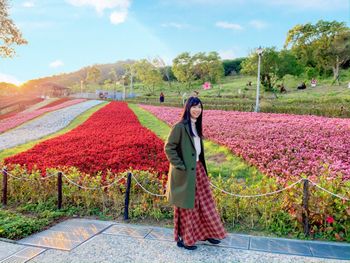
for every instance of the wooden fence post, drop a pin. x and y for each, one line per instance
(305, 214)
(127, 195)
(4, 187)
(59, 190)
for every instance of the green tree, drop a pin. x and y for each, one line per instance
(183, 68)
(324, 45)
(148, 74)
(274, 66)
(208, 67)
(113, 75)
(93, 74)
(268, 69)
(232, 66)
(9, 34)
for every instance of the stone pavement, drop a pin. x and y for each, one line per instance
(83, 240)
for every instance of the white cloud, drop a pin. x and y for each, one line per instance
(258, 24)
(119, 8)
(9, 79)
(227, 54)
(227, 25)
(118, 17)
(57, 63)
(28, 4)
(175, 25)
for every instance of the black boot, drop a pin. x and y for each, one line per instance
(180, 243)
(213, 241)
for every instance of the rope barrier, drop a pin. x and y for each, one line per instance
(27, 179)
(257, 195)
(222, 190)
(137, 182)
(336, 195)
(69, 180)
(89, 188)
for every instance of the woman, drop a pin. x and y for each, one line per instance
(188, 189)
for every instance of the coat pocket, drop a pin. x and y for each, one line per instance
(180, 177)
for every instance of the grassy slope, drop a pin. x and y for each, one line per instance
(220, 160)
(76, 122)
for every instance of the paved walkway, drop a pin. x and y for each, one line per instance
(83, 240)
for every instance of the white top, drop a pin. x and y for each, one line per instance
(197, 140)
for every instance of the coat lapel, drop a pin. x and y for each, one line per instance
(188, 132)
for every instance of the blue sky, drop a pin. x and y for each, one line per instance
(65, 35)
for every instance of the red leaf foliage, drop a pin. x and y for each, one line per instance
(112, 138)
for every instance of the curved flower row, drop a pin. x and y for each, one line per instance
(17, 106)
(40, 104)
(111, 139)
(280, 145)
(22, 117)
(44, 125)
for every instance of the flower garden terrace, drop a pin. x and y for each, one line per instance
(280, 145)
(113, 141)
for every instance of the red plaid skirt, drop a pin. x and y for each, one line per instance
(203, 221)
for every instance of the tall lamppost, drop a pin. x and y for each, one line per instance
(114, 88)
(259, 51)
(81, 87)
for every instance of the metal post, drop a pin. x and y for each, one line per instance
(131, 85)
(115, 86)
(258, 85)
(305, 211)
(59, 190)
(4, 187)
(127, 195)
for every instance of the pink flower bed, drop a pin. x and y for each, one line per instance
(280, 145)
(22, 117)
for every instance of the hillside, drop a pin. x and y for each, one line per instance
(74, 78)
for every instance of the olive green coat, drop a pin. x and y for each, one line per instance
(181, 154)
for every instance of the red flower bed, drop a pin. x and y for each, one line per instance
(112, 138)
(54, 103)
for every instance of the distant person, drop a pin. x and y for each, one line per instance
(282, 89)
(161, 97)
(313, 82)
(302, 86)
(188, 186)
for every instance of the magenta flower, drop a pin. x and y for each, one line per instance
(206, 85)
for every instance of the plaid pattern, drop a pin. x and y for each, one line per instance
(203, 221)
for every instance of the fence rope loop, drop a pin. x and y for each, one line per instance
(90, 188)
(4, 170)
(138, 183)
(329, 192)
(257, 195)
(27, 179)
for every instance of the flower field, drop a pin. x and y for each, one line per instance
(54, 103)
(22, 117)
(10, 109)
(111, 139)
(44, 125)
(280, 145)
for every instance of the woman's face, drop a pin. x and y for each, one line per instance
(195, 111)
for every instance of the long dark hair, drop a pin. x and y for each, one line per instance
(186, 115)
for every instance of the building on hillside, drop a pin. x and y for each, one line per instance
(50, 89)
